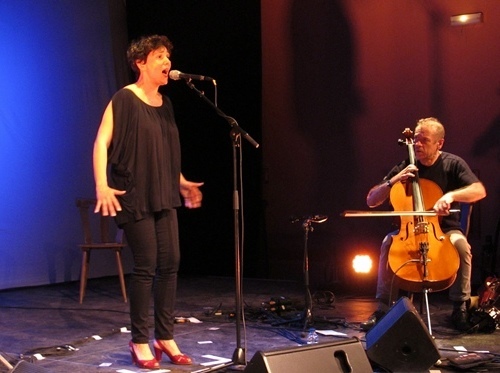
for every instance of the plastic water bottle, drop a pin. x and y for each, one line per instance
(312, 336)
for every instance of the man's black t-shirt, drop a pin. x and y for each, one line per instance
(449, 172)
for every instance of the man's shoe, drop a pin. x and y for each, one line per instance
(372, 320)
(460, 320)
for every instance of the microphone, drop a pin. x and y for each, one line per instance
(176, 75)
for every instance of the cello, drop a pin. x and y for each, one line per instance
(421, 256)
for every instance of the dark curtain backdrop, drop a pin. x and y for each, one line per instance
(342, 79)
(220, 39)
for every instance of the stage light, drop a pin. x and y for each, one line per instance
(466, 19)
(362, 264)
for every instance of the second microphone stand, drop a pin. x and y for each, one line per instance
(307, 227)
(307, 317)
(239, 355)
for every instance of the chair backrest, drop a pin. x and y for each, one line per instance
(465, 213)
(92, 222)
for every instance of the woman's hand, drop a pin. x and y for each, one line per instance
(191, 193)
(107, 202)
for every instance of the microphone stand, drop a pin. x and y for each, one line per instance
(307, 227)
(307, 316)
(239, 358)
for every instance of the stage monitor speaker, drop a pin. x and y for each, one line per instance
(335, 357)
(400, 341)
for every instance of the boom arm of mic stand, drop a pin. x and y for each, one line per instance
(236, 128)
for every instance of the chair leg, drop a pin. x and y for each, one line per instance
(410, 296)
(84, 274)
(120, 274)
(6, 363)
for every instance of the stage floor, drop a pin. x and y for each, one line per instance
(50, 331)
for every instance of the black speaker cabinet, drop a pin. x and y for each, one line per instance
(341, 356)
(400, 341)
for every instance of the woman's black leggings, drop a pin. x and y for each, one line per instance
(154, 242)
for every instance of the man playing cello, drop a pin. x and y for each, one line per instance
(458, 184)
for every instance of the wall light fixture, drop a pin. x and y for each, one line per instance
(466, 19)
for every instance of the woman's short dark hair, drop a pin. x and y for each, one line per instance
(140, 48)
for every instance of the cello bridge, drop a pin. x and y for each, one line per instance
(421, 228)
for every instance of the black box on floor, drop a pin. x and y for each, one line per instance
(336, 357)
(400, 341)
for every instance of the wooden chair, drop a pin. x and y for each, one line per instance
(100, 241)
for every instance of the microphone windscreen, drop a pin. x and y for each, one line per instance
(174, 74)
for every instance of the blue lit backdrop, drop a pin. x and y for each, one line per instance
(56, 76)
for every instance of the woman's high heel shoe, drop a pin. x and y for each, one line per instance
(147, 364)
(180, 359)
